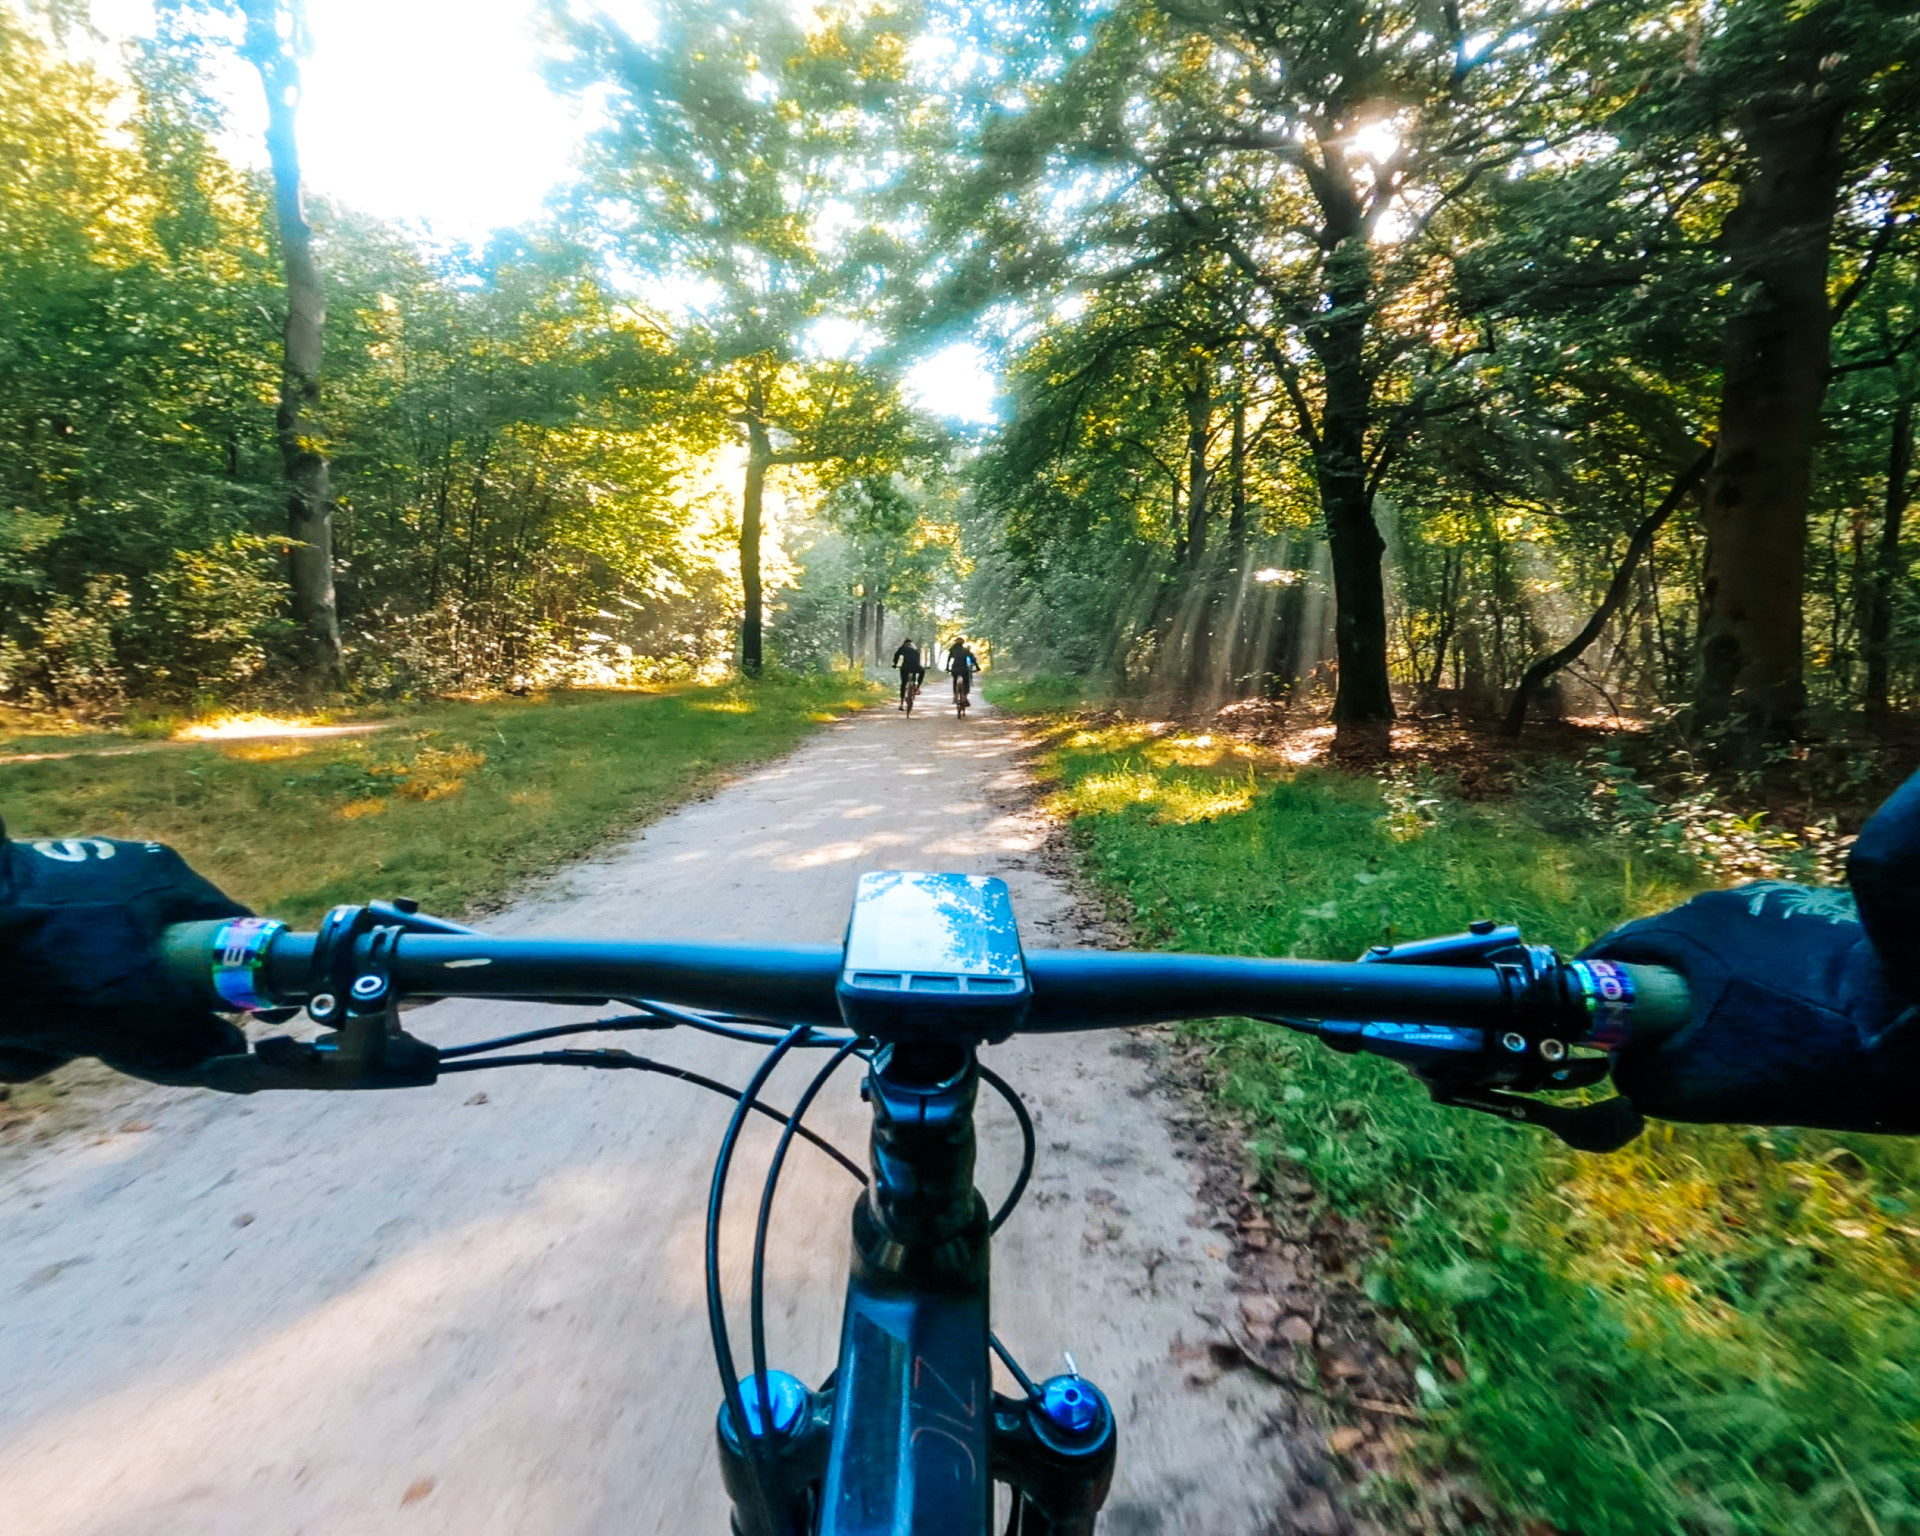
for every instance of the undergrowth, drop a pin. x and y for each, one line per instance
(1714, 1331)
(453, 805)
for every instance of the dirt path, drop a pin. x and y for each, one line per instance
(427, 1312)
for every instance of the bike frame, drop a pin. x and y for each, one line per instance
(909, 1435)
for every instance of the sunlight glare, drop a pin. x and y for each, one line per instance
(956, 384)
(1377, 141)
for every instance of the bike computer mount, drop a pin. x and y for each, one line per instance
(933, 956)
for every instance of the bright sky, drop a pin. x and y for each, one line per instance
(432, 113)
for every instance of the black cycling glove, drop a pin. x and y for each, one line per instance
(1803, 998)
(79, 918)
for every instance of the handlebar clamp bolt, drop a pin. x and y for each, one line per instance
(367, 987)
(322, 1004)
(1514, 1041)
(1554, 1050)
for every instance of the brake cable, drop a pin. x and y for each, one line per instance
(626, 1059)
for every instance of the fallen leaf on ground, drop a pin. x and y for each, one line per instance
(417, 1490)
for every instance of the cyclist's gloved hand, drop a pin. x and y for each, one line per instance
(1803, 998)
(79, 918)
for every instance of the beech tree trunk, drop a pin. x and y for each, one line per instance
(309, 496)
(1235, 583)
(1237, 467)
(1199, 398)
(1776, 361)
(1363, 696)
(1886, 568)
(759, 460)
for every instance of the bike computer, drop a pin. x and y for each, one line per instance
(933, 955)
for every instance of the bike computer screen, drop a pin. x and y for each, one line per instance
(933, 955)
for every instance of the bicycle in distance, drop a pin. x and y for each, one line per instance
(907, 1432)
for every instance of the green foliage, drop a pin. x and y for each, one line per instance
(1711, 1332)
(1475, 258)
(884, 544)
(513, 446)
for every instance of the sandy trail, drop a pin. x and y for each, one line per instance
(414, 1312)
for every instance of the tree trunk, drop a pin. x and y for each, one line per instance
(759, 457)
(1452, 563)
(1199, 397)
(1776, 360)
(1878, 627)
(1237, 467)
(879, 631)
(1235, 584)
(1363, 696)
(309, 500)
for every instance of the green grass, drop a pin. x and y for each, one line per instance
(1034, 694)
(453, 805)
(1714, 1331)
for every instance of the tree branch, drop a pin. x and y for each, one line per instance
(1637, 546)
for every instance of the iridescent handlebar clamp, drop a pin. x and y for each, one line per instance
(240, 948)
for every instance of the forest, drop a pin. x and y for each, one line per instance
(1451, 457)
(1499, 358)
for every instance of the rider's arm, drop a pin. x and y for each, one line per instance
(78, 920)
(1884, 871)
(1804, 998)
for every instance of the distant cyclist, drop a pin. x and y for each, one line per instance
(913, 672)
(961, 665)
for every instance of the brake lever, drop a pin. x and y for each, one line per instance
(1458, 1067)
(1606, 1126)
(280, 1061)
(366, 1048)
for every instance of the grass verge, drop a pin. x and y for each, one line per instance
(1714, 1331)
(453, 806)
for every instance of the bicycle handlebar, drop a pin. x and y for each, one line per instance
(1474, 1015)
(1072, 989)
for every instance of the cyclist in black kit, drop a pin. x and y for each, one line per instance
(912, 669)
(961, 665)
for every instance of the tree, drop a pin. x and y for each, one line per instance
(1791, 82)
(1326, 155)
(721, 173)
(274, 42)
(1793, 124)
